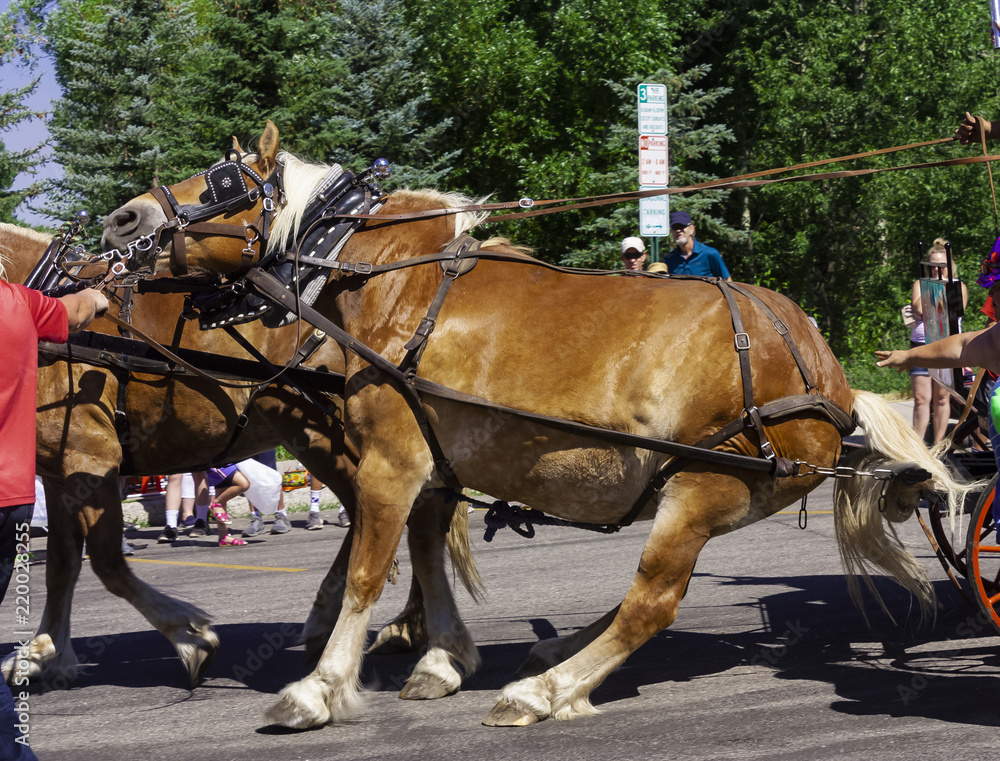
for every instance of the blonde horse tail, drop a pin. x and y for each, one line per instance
(866, 543)
(461, 553)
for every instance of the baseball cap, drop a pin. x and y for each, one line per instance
(680, 218)
(633, 243)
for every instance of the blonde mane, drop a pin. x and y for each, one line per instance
(301, 178)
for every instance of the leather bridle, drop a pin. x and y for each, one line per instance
(230, 191)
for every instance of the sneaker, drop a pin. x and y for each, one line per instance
(315, 521)
(342, 520)
(168, 535)
(188, 522)
(255, 527)
(281, 524)
(127, 549)
(198, 528)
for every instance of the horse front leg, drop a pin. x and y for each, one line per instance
(50, 653)
(386, 489)
(186, 626)
(691, 509)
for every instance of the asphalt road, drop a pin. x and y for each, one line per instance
(768, 659)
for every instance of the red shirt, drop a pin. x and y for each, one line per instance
(27, 317)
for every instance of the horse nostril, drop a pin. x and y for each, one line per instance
(124, 222)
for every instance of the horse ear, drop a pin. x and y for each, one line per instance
(236, 146)
(268, 149)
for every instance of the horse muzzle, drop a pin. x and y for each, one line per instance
(134, 228)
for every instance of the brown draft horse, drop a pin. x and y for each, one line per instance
(653, 357)
(178, 422)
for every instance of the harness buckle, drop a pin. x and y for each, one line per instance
(526, 203)
(363, 268)
(780, 327)
(742, 341)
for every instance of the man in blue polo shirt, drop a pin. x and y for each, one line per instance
(692, 257)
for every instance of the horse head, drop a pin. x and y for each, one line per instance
(216, 221)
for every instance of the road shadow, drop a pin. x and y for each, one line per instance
(810, 631)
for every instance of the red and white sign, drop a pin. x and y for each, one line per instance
(653, 160)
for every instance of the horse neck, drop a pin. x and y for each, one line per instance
(398, 297)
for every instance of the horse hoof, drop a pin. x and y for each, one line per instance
(300, 706)
(41, 650)
(197, 648)
(391, 644)
(199, 664)
(506, 714)
(426, 687)
(398, 637)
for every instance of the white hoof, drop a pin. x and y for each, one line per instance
(41, 652)
(434, 677)
(301, 705)
(311, 702)
(196, 648)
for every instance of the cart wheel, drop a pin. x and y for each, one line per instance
(937, 516)
(983, 557)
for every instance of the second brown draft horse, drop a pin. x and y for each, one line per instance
(177, 421)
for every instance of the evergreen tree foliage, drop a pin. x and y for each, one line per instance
(112, 62)
(16, 42)
(336, 78)
(374, 103)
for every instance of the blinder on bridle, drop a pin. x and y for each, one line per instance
(227, 191)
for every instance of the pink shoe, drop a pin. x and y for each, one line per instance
(219, 513)
(231, 541)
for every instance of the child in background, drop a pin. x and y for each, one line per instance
(229, 482)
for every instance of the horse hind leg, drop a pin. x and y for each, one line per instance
(451, 654)
(408, 630)
(686, 519)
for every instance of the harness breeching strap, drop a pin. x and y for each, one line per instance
(782, 331)
(741, 339)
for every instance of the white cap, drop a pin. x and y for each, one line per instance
(633, 243)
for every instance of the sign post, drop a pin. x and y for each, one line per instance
(654, 162)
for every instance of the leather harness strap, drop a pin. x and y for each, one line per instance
(458, 264)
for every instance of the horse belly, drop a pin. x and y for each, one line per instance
(567, 476)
